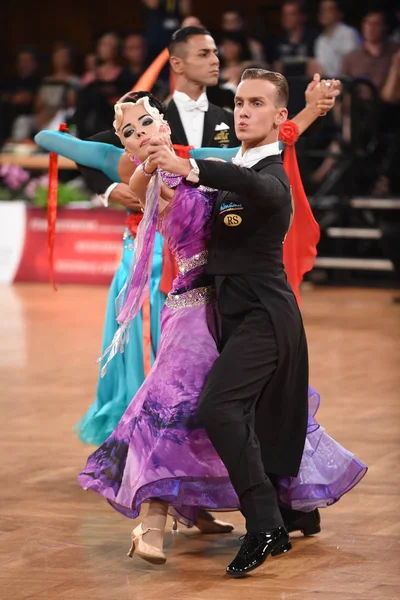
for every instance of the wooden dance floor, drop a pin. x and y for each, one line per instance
(58, 542)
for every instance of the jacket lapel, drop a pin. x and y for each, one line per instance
(178, 134)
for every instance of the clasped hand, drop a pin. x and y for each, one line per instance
(162, 155)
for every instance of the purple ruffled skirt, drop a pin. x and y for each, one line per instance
(158, 449)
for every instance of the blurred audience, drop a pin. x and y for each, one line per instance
(101, 88)
(134, 53)
(233, 51)
(28, 103)
(336, 40)
(372, 60)
(108, 67)
(395, 34)
(293, 52)
(232, 22)
(18, 97)
(56, 97)
(89, 65)
(162, 18)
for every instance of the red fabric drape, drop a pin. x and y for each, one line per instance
(150, 76)
(52, 213)
(52, 193)
(300, 247)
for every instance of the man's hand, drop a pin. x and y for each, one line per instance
(123, 196)
(321, 95)
(162, 156)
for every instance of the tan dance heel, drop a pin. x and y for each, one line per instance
(208, 524)
(151, 554)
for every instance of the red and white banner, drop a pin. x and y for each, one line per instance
(88, 244)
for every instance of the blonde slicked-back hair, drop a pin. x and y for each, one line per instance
(277, 79)
(150, 104)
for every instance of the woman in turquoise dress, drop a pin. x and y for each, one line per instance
(119, 385)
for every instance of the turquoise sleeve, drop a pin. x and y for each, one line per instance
(96, 155)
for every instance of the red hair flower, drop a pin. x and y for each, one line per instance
(63, 128)
(132, 222)
(289, 133)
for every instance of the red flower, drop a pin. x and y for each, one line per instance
(132, 222)
(289, 133)
(63, 128)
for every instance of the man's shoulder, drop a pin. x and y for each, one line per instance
(273, 165)
(345, 31)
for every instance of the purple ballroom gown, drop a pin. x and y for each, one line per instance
(158, 449)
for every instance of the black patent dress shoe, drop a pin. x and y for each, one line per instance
(256, 548)
(307, 523)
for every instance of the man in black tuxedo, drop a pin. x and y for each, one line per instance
(193, 119)
(254, 404)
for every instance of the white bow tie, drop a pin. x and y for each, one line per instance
(200, 104)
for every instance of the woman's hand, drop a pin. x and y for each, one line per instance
(321, 95)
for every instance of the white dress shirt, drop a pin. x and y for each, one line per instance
(252, 156)
(192, 113)
(330, 49)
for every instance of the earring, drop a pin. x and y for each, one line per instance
(132, 158)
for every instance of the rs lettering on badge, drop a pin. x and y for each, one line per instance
(232, 220)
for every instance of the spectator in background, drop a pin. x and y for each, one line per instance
(191, 21)
(232, 21)
(233, 51)
(293, 52)
(373, 58)
(107, 60)
(395, 34)
(90, 65)
(162, 18)
(336, 40)
(101, 89)
(134, 52)
(56, 97)
(18, 97)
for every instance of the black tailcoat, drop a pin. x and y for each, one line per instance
(251, 218)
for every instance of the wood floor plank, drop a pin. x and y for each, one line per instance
(58, 542)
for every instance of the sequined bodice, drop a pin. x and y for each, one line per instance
(185, 226)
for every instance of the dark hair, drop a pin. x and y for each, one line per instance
(337, 2)
(153, 101)
(300, 4)
(239, 38)
(28, 50)
(277, 79)
(234, 9)
(181, 36)
(62, 45)
(376, 10)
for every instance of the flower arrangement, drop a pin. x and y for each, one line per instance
(14, 178)
(17, 184)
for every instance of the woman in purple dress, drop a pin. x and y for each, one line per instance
(158, 453)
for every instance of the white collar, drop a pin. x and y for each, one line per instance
(254, 155)
(184, 100)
